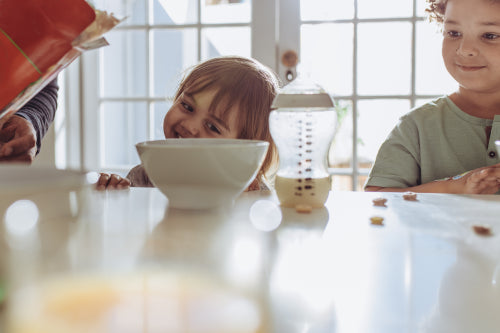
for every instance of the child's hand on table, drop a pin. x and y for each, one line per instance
(484, 180)
(111, 182)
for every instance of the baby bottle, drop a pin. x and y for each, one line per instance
(302, 125)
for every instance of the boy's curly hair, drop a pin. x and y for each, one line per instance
(436, 9)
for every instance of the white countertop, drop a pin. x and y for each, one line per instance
(424, 270)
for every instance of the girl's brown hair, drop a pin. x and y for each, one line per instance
(243, 82)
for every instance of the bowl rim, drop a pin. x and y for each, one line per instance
(202, 142)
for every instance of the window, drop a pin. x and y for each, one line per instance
(377, 59)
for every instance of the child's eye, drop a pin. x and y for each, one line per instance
(213, 128)
(187, 107)
(490, 36)
(453, 34)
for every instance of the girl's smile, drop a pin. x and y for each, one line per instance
(190, 117)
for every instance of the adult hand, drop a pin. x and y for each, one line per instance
(17, 140)
(111, 182)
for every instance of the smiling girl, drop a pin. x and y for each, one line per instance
(448, 145)
(224, 97)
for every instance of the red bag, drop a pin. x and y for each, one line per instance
(35, 35)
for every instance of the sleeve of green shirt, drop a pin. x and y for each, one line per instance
(434, 141)
(398, 159)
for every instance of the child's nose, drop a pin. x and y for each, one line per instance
(466, 48)
(191, 128)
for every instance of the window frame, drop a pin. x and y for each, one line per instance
(269, 40)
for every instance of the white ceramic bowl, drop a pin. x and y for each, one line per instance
(202, 173)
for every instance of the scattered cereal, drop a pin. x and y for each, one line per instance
(379, 202)
(301, 208)
(482, 230)
(410, 196)
(377, 220)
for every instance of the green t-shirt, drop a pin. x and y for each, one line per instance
(434, 141)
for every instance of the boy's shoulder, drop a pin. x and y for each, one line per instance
(437, 104)
(437, 107)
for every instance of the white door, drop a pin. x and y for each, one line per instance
(377, 58)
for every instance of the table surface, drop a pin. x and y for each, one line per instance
(331, 270)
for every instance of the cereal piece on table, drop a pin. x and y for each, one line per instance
(301, 208)
(410, 196)
(377, 220)
(482, 230)
(379, 202)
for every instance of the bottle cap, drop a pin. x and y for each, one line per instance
(302, 93)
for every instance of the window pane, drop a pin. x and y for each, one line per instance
(173, 51)
(422, 101)
(361, 183)
(384, 63)
(375, 121)
(174, 12)
(341, 183)
(222, 11)
(340, 154)
(421, 6)
(123, 125)
(432, 78)
(326, 9)
(385, 8)
(327, 53)
(225, 41)
(123, 64)
(134, 11)
(159, 111)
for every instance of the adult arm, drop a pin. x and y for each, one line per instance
(22, 134)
